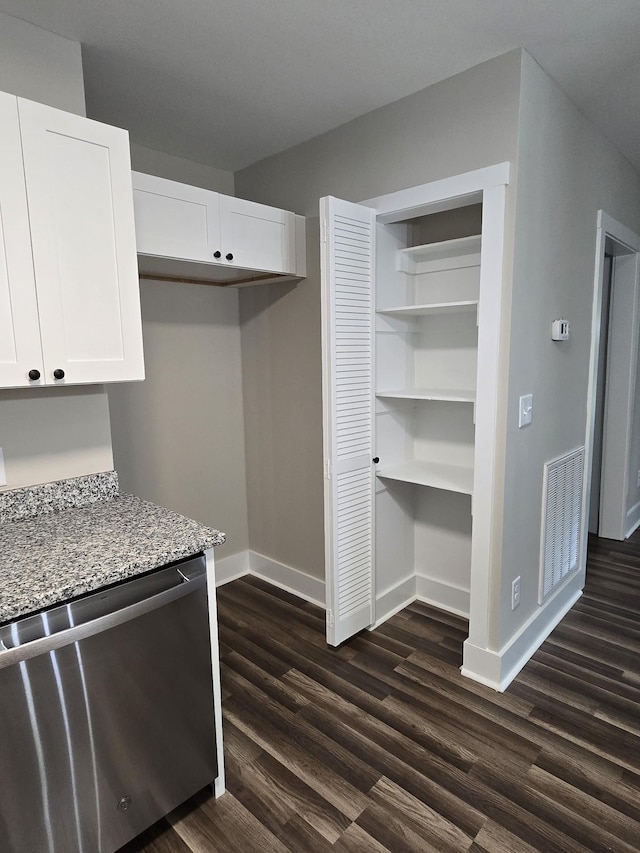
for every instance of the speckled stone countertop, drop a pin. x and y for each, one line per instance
(51, 556)
(28, 501)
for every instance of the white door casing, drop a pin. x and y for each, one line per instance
(624, 322)
(486, 185)
(347, 272)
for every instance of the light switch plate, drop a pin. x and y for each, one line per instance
(525, 413)
(3, 475)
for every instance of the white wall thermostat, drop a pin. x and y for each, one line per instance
(560, 330)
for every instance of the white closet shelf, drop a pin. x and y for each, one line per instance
(431, 308)
(444, 250)
(438, 475)
(453, 395)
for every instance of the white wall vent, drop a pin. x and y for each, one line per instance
(561, 519)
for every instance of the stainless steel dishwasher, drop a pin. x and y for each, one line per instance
(106, 713)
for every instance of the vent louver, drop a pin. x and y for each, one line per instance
(561, 519)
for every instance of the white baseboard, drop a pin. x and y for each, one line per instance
(232, 567)
(482, 665)
(394, 599)
(287, 578)
(633, 519)
(497, 669)
(455, 599)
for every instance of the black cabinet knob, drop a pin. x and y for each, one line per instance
(58, 373)
(217, 254)
(376, 459)
(34, 375)
(229, 257)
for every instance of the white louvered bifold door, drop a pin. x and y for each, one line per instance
(347, 261)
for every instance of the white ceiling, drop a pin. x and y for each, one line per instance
(228, 82)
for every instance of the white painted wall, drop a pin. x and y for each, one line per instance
(567, 170)
(64, 432)
(463, 123)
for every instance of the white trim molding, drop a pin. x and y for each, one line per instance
(633, 519)
(497, 669)
(444, 596)
(618, 231)
(489, 186)
(285, 577)
(232, 567)
(456, 191)
(394, 599)
(622, 364)
(219, 781)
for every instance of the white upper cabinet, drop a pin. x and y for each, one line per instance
(20, 349)
(257, 236)
(69, 273)
(188, 231)
(175, 220)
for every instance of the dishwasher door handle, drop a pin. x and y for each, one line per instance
(59, 639)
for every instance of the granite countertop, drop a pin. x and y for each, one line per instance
(65, 539)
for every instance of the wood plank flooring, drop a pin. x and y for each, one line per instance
(382, 745)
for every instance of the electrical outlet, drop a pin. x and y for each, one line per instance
(515, 593)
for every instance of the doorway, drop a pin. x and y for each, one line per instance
(613, 425)
(598, 437)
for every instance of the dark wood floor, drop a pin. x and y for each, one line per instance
(383, 746)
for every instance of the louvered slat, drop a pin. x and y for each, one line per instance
(353, 338)
(348, 402)
(562, 519)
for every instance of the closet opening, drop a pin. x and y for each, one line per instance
(426, 339)
(411, 313)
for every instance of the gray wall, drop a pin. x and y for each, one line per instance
(41, 66)
(567, 170)
(466, 122)
(174, 168)
(178, 437)
(49, 435)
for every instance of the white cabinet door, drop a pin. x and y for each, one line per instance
(78, 180)
(256, 236)
(20, 350)
(175, 220)
(347, 262)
